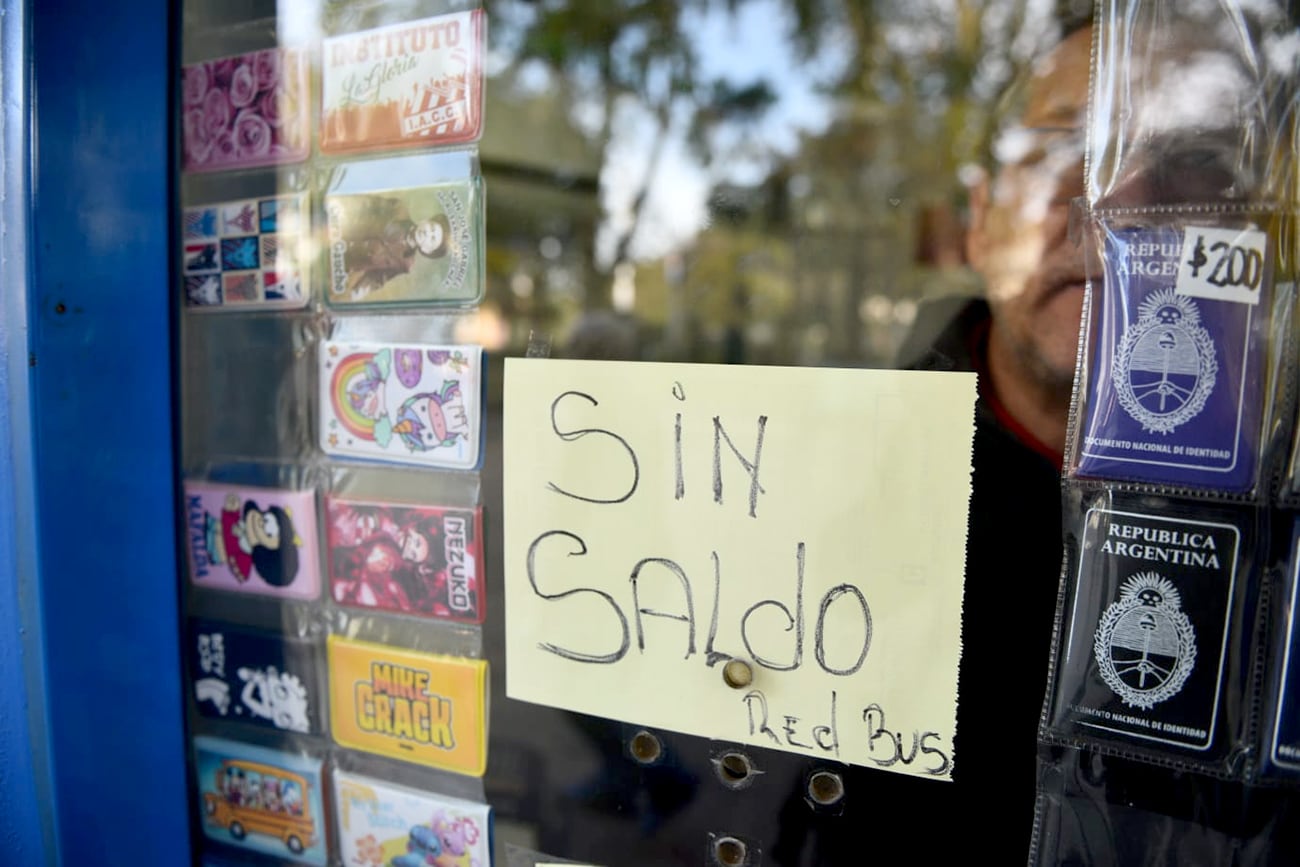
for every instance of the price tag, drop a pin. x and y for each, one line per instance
(1223, 264)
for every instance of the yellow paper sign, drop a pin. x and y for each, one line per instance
(412, 706)
(663, 519)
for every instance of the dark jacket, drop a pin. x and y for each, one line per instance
(1013, 562)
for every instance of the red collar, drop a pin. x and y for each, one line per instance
(979, 346)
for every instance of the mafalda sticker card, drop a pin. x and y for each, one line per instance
(407, 559)
(417, 707)
(1177, 374)
(246, 253)
(404, 403)
(261, 799)
(244, 111)
(417, 84)
(252, 540)
(393, 826)
(415, 245)
(239, 674)
(1148, 630)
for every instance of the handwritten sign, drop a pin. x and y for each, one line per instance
(662, 520)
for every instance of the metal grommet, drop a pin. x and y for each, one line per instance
(734, 770)
(730, 852)
(825, 788)
(645, 747)
(737, 673)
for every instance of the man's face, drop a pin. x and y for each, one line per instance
(1019, 239)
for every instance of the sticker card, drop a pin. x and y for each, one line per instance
(416, 84)
(380, 823)
(1177, 377)
(407, 705)
(1148, 632)
(252, 540)
(404, 403)
(260, 799)
(408, 559)
(405, 246)
(260, 678)
(244, 111)
(248, 252)
(1285, 752)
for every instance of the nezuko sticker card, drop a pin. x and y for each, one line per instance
(405, 246)
(405, 403)
(404, 558)
(240, 674)
(1147, 629)
(1177, 375)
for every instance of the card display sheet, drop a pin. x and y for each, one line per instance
(334, 572)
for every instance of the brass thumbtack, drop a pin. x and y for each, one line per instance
(737, 674)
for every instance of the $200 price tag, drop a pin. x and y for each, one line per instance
(1223, 264)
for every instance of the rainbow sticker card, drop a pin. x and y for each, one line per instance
(403, 403)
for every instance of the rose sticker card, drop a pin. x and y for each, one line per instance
(407, 559)
(417, 84)
(244, 111)
(404, 403)
(239, 674)
(261, 799)
(380, 823)
(1177, 374)
(405, 246)
(407, 705)
(1147, 633)
(252, 540)
(247, 252)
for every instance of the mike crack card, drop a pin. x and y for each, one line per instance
(245, 110)
(404, 558)
(252, 540)
(416, 84)
(1178, 368)
(408, 705)
(404, 246)
(247, 252)
(402, 403)
(380, 823)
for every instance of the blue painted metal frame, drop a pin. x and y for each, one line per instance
(102, 323)
(24, 770)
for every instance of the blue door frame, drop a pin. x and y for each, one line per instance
(94, 771)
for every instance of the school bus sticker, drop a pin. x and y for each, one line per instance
(417, 707)
(260, 799)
